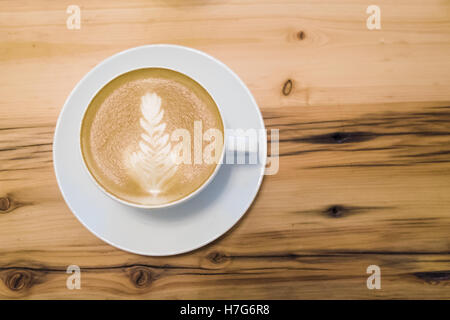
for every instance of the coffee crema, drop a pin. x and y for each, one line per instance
(126, 135)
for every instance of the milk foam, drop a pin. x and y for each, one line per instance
(153, 165)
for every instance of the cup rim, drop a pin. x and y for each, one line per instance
(115, 57)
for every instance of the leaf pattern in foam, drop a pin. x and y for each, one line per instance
(153, 164)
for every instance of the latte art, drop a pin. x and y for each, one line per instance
(154, 164)
(128, 130)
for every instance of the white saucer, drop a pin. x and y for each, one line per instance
(178, 229)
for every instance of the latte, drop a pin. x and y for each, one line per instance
(127, 136)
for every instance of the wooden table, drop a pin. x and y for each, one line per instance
(364, 177)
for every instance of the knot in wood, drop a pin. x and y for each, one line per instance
(287, 87)
(141, 277)
(19, 280)
(340, 137)
(335, 211)
(5, 203)
(217, 257)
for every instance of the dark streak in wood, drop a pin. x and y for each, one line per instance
(443, 107)
(339, 211)
(376, 165)
(431, 161)
(32, 168)
(337, 138)
(369, 149)
(287, 87)
(267, 117)
(26, 146)
(29, 127)
(413, 219)
(390, 253)
(20, 158)
(294, 153)
(290, 153)
(433, 277)
(42, 151)
(296, 124)
(360, 165)
(428, 154)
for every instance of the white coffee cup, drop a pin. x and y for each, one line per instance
(175, 58)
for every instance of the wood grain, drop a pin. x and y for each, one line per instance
(364, 120)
